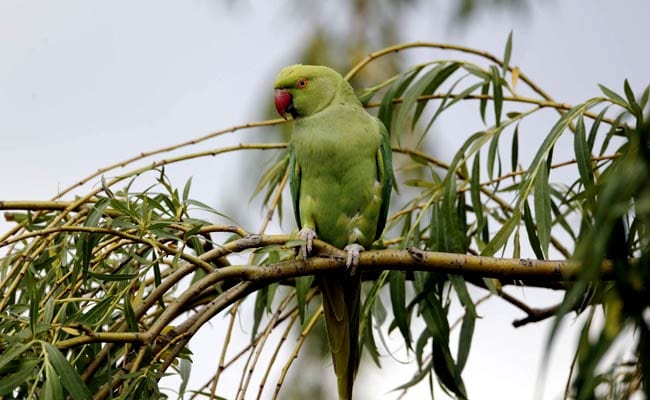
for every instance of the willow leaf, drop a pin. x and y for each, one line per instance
(583, 154)
(502, 236)
(531, 231)
(411, 96)
(514, 150)
(497, 91)
(397, 284)
(70, 379)
(542, 201)
(506, 54)
(475, 190)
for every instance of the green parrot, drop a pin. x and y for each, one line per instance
(340, 178)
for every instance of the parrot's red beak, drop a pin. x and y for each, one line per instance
(284, 103)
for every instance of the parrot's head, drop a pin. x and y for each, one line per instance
(304, 90)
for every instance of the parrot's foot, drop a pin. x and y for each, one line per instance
(308, 236)
(352, 259)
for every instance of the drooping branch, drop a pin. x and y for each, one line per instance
(442, 46)
(514, 99)
(406, 260)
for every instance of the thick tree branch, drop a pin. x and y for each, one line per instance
(418, 260)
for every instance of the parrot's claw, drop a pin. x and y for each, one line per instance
(352, 259)
(308, 235)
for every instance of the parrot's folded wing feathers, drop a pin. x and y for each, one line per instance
(384, 176)
(294, 183)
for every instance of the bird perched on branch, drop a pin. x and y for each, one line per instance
(340, 177)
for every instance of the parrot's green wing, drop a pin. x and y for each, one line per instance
(294, 183)
(385, 176)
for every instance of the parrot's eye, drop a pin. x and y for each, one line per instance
(302, 83)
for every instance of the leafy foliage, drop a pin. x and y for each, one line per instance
(90, 287)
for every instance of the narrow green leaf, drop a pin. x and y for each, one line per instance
(69, 377)
(105, 187)
(497, 90)
(514, 150)
(129, 314)
(634, 107)
(385, 113)
(492, 152)
(542, 153)
(418, 183)
(506, 55)
(644, 97)
(112, 277)
(373, 303)
(460, 96)
(258, 312)
(436, 233)
(184, 372)
(432, 87)
(444, 105)
(96, 212)
(366, 94)
(303, 284)
(516, 244)
(98, 312)
(411, 95)
(465, 340)
(475, 142)
(455, 238)
(397, 284)
(270, 295)
(458, 282)
(559, 217)
(48, 311)
(613, 130)
(446, 370)
(531, 231)
(476, 71)
(485, 233)
(186, 189)
(435, 318)
(13, 352)
(542, 202)
(483, 102)
(52, 386)
(272, 177)
(475, 190)
(417, 377)
(613, 96)
(368, 338)
(502, 236)
(420, 345)
(491, 285)
(583, 154)
(35, 298)
(207, 208)
(25, 371)
(593, 132)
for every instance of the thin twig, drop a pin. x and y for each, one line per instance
(397, 48)
(515, 99)
(283, 339)
(259, 346)
(303, 335)
(224, 348)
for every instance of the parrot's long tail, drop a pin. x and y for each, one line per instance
(341, 294)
